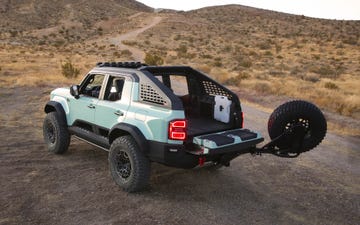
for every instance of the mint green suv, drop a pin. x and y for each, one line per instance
(174, 115)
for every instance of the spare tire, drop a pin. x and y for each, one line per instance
(298, 113)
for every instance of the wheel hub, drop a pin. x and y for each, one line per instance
(50, 130)
(299, 122)
(123, 165)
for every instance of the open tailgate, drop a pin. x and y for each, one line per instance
(228, 141)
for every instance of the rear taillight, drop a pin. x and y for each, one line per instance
(177, 130)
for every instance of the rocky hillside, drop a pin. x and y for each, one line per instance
(266, 52)
(79, 19)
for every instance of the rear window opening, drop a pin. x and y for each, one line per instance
(208, 107)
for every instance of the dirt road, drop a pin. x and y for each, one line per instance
(137, 54)
(319, 187)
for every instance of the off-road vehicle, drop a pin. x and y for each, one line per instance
(174, 115)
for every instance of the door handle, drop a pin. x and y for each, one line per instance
(118, 113)
(91, 106)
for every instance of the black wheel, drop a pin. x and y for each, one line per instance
(56, 134)
(129, 166)
(301, 113)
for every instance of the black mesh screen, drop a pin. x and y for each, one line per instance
(148, 94)
(212, 89)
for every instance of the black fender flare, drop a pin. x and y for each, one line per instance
(125, 128)
(52, 106)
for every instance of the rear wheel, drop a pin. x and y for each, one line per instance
(56, 134)
(297, 113)
(129, 166)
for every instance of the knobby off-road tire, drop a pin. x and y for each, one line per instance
(298, 113)
(129, 166)
(56, 134)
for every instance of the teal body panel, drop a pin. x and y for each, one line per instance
(151, 120)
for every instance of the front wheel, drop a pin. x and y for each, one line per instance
(298, 113)
(129, 167)
(56, 134)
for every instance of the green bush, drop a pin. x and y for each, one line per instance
(69, 70)
(153, 59)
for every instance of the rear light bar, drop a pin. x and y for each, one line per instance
(177, 129)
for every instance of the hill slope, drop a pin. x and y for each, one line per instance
(38, 14)
(267, 52)
(259, 52)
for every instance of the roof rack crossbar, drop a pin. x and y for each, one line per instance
(121, 64)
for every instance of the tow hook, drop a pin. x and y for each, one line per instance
(202, 160)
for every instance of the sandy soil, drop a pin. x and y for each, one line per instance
(320, 187)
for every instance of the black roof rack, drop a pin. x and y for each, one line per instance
(121, 64)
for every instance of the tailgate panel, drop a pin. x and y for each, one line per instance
(238, 139)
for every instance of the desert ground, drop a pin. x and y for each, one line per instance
(37, 187)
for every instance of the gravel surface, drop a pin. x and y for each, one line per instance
(320, 187)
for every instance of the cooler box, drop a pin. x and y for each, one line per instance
(222, 108)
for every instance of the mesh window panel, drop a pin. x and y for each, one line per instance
(148, 94)
(212, 89)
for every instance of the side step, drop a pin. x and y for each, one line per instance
(90, 137)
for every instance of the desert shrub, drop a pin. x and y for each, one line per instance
(264, 45)
(268, 53)
(351, 41)
(315, 56)
(245, 63)
(331, 86)
(58, 43)
(69, 70)
(276, 73)
(116, 54)
(100, 31)
(177, 37)
(217, 62)
(13, 33)
(206, 56)
(237, 79)
(263, 87)
(311, 77)
(153, 59)
(278, 48)
(182, 50)
(126, 52)
(130, 43)
(325, 71)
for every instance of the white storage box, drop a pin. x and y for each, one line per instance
(222, 108)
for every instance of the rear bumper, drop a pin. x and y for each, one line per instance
(187, 156)
(171, 155)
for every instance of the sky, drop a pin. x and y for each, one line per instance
(327, 9)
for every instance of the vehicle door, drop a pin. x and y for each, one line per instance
(113, 108)
(83, 109)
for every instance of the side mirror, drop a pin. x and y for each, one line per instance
(74, 91)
